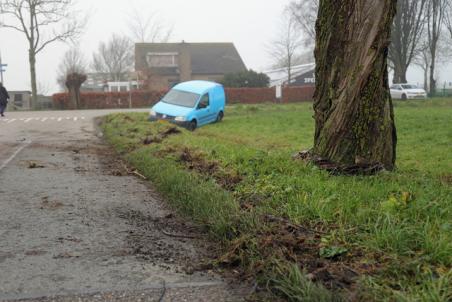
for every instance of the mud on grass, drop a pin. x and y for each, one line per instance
(276, 239)
(355, 235)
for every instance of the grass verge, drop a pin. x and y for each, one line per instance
(304, 234)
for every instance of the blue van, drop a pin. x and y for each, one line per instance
(191, 104)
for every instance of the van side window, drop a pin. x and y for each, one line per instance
(205, 101)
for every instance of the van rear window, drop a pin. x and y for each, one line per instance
(181, 98)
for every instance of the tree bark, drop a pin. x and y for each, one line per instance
(34, 87)
(432, 81)
(426, 78)
(353, 108)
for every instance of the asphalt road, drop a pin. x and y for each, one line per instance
(75, 225)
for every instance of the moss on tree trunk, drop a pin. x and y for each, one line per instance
(353, 108)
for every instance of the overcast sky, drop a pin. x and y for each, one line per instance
(250, 24)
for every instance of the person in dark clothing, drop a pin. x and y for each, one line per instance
(4, 97)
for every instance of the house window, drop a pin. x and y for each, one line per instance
(18, 99)
(162, 59)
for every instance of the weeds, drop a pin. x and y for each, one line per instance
(392, 230)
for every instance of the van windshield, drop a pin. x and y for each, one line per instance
(181, 98)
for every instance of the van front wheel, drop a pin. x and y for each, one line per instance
(192, 125)
(220, 117)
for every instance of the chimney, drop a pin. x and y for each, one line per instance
(184, 61)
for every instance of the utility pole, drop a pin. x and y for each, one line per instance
(1, 68)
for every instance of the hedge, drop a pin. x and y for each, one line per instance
(141, 99)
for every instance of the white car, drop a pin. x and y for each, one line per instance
(407, 92)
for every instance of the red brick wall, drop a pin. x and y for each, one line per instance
(105, 100)
(268, 95)
(298, 94)
(250, 95)
(109, 100)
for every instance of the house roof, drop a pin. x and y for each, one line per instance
(279, 76)
(206, 58)
(19, 92)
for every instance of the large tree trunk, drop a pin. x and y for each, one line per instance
(353, 107)
(34, 87)
(426, 78)
(400, 74)
(432, 74)
(73, 82)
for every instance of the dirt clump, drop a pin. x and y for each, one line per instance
(33, 253)
(361, 166)
(157, 139)
(152, 140)
(35, 165)
(166, 240)
(111, 164)
(170, 131)
(127, 118)
(50, 205)
(197, 161)
(280, 239)
(446, 179)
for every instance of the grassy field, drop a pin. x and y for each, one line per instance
(304, 234)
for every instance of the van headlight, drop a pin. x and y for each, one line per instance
(180, 119)
(152, 113)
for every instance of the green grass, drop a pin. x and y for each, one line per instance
(398, 223)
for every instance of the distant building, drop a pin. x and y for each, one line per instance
(162, 65)
(95, 82)
(121, 86)
(302, 75)
(100, 82)
(21, 100)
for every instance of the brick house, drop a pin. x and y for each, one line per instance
(162, 65)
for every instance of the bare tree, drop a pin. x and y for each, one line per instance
(354, 114)
(42, 22)
(285, 49)
(436, 13)
(423, 60)
(72, 74)
(146, 27)
(407, 30)
(304, 12)
(44, 88)
(114, 59)
(73, 61)
(448, 19)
